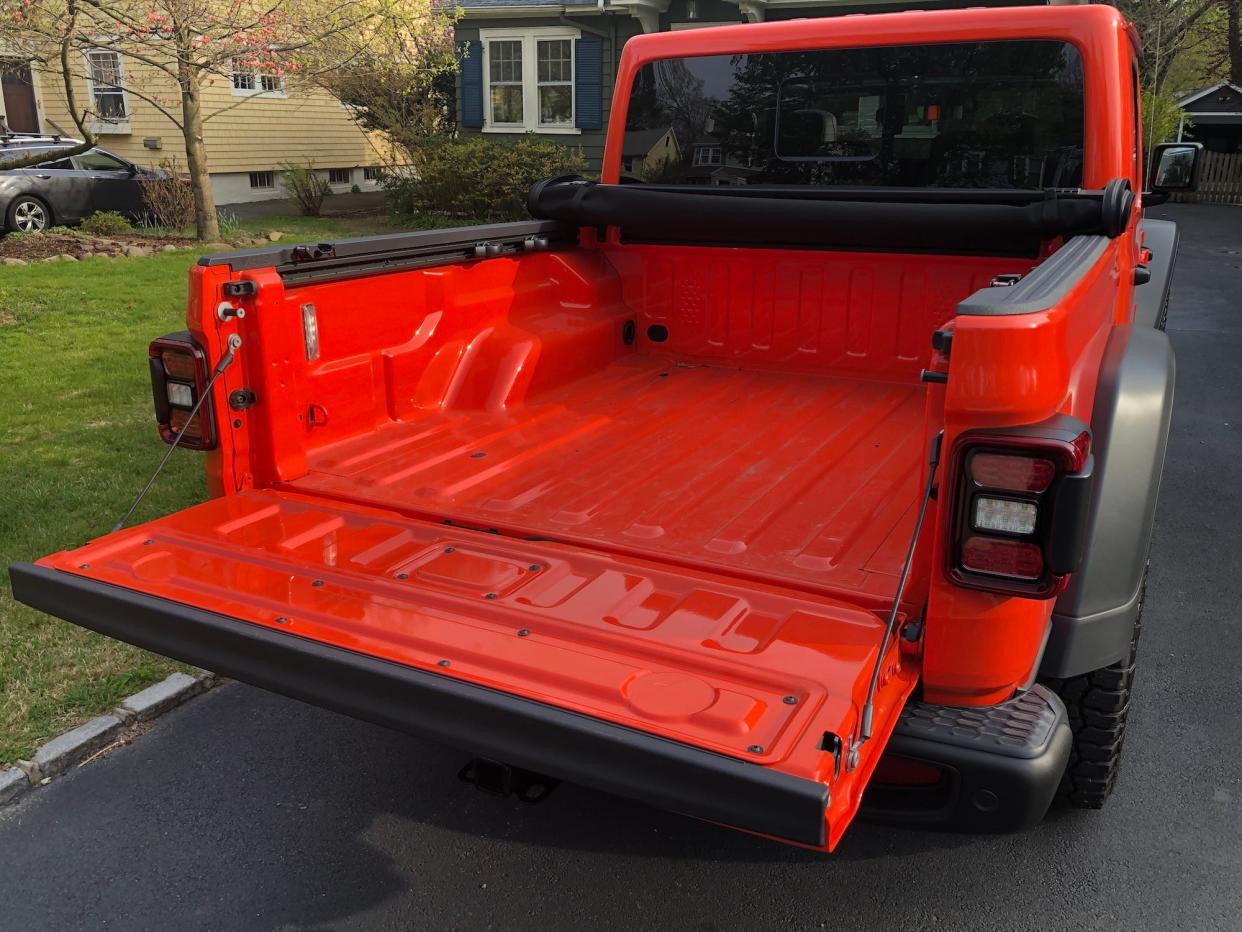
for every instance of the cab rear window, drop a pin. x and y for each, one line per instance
(961, 115)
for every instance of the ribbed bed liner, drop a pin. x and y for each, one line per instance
(794, 477)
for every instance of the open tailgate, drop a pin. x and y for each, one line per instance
(730, 701)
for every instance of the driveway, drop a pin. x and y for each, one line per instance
(246, 810)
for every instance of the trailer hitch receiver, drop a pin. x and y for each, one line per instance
(499, 779)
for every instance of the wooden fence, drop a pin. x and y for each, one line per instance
(1220, 180)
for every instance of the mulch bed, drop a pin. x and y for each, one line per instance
(79, 245)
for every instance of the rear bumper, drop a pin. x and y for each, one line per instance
(487, 722)
(1001, 764)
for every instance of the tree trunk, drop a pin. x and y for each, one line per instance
(196, 158)
(1235, 41)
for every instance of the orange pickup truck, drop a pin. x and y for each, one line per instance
(821, 466)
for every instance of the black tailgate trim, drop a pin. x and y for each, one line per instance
(484, 721)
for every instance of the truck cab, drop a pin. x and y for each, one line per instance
(819, 481)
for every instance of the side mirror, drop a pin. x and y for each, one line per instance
(1175, 167)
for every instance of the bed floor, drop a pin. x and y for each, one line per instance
(791, 477)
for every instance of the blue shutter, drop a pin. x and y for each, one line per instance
(589, 83)
(472, 86)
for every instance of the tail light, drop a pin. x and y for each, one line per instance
(179, 374)
(1019, 507)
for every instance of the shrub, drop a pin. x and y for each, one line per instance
(306, 189)
(169, 196)
(106, 223)
(475, 177)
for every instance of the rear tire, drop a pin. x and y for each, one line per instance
(28, 214)
(1097, 704)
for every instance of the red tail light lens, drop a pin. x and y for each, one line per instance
(179, 375)
(1013, 558)
(179, 364)
(1011, 472)
(1019, 506)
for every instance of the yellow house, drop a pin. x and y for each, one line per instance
(254, 123)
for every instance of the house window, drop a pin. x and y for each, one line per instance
(555, 81)
(371, 173)
(340, 176)
(627, 163)
(505, 70)
(262, 179)
(107, 84)
(707, 155)
(530, 79)
(248, 82)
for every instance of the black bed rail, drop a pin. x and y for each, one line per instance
(372, 255)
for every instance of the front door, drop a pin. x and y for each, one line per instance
(113, 183)
(17, 83)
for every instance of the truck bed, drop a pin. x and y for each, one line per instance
(797, 477)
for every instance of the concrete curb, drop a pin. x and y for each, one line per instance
(88, 741)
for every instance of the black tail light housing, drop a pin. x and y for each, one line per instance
(179, 375)
(1019, 505)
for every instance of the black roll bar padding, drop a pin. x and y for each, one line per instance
(783, 218)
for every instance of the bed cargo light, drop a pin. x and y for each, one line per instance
(179, 374)
(1020, 503)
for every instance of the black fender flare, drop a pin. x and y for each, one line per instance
(1151, 299)
(1093, 620)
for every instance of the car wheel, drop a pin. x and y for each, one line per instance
(28, 215)
(1098, 703)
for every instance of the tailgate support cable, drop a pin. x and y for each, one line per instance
(225, 361)
(868, 712)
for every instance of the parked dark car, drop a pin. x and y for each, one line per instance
(66, 189)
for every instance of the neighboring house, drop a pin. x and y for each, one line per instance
(644, 152)
(547, 66)
(262, 123)
(1215, 117)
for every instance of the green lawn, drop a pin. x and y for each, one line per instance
(77, 440)
(311, 228)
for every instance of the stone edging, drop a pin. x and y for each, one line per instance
(101, 733)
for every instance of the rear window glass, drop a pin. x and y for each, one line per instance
(21, 152)
(962, 115)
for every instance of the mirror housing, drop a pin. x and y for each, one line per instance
(1174, 168)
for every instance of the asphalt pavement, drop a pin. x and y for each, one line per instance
(244, 810)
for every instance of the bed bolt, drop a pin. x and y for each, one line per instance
(403, 575)
(84, 566)
(755, 749)
(534, 567)
(491, 595)
(478, 456)
(524, 632)
(791, 700)
(442, 663)
(450, 549)
(282, 620)
(317, 583)
(148, 542)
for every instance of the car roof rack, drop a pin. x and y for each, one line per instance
(20, 138)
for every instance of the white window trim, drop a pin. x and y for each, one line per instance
(99, 124)
(530, 88)
(257, 90)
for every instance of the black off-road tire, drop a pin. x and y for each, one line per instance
(1097, 703)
